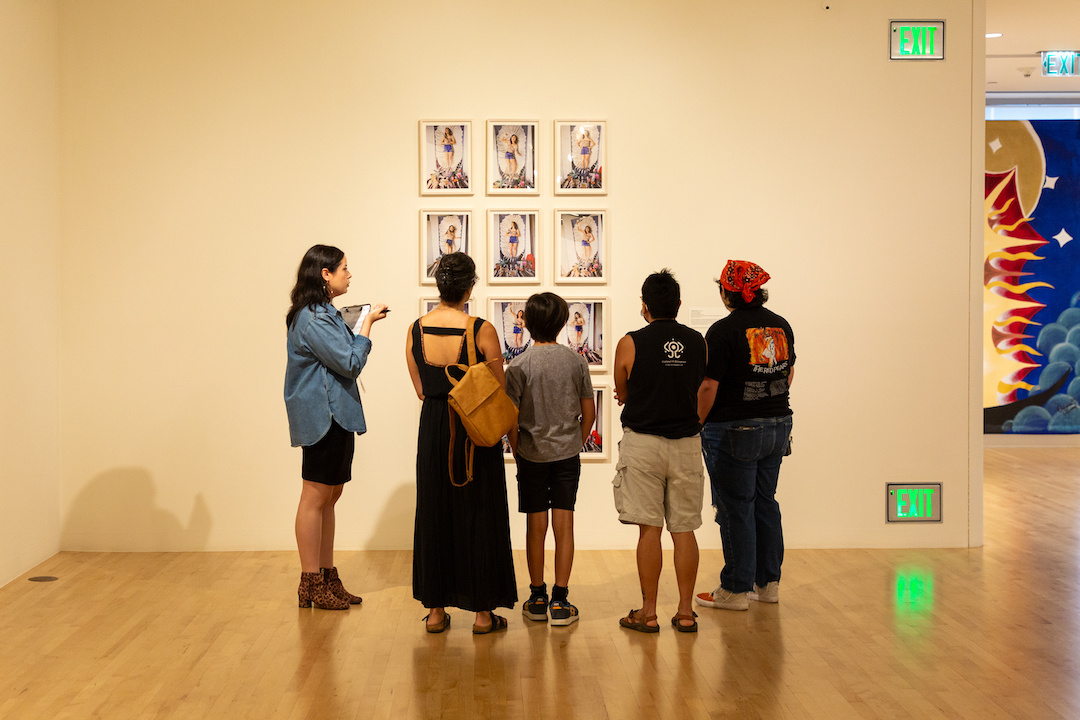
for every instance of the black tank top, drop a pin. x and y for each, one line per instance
(669, 365)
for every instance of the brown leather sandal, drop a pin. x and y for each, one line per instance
(636, 621)
(498, 622)
(438, 627)
(684, 628)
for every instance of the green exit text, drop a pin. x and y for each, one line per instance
(1060, 64)
(915, 502)
(916, 39)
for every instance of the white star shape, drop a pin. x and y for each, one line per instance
(995, 144)
(1050, 182)
(1063, 237)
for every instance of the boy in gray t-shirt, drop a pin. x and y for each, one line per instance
(551, 386)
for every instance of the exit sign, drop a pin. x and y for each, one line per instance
(1060, 63)
(914, 503)
(917, 40)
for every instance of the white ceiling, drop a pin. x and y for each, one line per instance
(1028, 29)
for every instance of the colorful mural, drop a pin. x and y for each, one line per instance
(1031, 338)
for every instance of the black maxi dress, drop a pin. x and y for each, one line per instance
(461, 540)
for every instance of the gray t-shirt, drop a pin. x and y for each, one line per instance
(548, 383)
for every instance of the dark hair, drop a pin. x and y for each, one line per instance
(736, 301)
(455, 276)
(310, 288)
(660, 293)
(545, 315)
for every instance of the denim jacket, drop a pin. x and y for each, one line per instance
(325, 359)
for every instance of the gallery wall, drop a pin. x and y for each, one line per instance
(205, 145)
(29, 288)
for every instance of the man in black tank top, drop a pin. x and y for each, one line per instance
(659, 475)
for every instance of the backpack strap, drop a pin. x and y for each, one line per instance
(471, 328)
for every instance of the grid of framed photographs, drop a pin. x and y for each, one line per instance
(519, 243)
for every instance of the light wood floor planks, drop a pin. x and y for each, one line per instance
(984, 633)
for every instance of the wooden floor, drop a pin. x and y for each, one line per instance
(983, 633)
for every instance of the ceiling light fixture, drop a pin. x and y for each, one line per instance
(992, 35)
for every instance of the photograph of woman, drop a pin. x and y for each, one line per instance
(511, 157)
(580, 241)
(461, 540)
(578, 325)
(325, 415)
(508, 317)
(441, 233)
(444, 164)
(511, 247)
(580, 157)
(583, 332)
(585, 144)
(519, 329)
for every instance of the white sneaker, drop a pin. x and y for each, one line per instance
(721, 598)
(768, 594)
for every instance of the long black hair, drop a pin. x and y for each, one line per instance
(310, 288)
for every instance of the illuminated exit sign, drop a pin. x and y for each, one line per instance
(1060, 63)
(917, 40)
(914, 503)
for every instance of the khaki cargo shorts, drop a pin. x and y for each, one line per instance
(658, 479)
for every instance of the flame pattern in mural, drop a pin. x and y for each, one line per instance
(1031, 337)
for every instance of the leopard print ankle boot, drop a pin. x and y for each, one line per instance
(332, 579)
(313, 590)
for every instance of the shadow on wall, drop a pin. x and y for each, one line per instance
(116, 512)
(394, 528)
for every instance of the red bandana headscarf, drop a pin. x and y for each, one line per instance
(743, 277)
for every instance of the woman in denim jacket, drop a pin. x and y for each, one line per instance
(323, 403)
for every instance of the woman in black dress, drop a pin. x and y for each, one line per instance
(461, 540)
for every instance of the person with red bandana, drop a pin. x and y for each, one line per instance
(743, 405)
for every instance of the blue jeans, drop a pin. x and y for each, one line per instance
(743, 459)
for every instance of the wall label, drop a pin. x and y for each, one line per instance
(917, 40)
(913, 503)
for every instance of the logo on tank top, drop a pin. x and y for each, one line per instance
(673, 349)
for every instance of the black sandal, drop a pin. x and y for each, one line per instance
(498, 623)
(439, 627)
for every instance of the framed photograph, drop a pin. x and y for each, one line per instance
(581, 241)
(446, 157)
(596, 446)
(427, 304)
(586, 331)
(513, 247)
(442, 232)
(508, 317)
(512, 152)
(580, 157)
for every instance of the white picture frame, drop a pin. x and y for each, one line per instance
(512, 157)
(506, 314)
(513, 247)
(587, 331)
(443, 231)
(446, 157)
(580, 242)
(581, 162)
(597, 447)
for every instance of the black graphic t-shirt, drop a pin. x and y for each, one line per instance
(669, 365)
(751, 353)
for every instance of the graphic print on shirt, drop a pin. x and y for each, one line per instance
(768, 346)
(768, 356)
